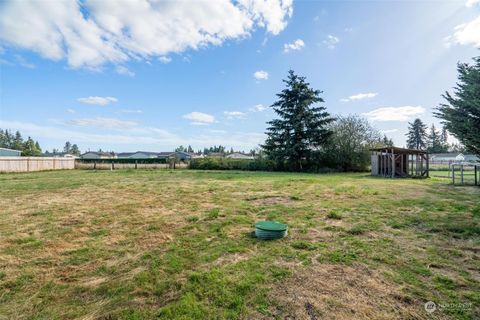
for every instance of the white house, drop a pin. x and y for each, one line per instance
(452, 156)
(238, 155)
(98, 155)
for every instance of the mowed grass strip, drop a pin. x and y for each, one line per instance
(144, 244)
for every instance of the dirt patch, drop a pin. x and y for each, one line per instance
(342, 292)
(270, 201)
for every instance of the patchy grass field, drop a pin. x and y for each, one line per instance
(177, 245)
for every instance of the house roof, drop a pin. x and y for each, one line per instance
(99, 153)
(447, 154)
(398, 150)
(150, 153)
(7, 149)
(125, 154)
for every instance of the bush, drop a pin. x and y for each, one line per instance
(315, 165)
(232, 164)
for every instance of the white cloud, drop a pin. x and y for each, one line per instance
(124, 71)
(134, 137)
(109, 123)
(71, 110)
(394, 113)
(465, 34)
(165, 59)
(234, 114)
(258, 108)
(471, 3)
(91, 33)
(360, 96)
(294, 46)
(199, 118)
(101, 101)
(156, 138)
(129, 111)
(331, 41)
(261, 75)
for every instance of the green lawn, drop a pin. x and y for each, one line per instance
(132, 244)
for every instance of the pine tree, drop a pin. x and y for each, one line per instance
(417, 135)
(38, 150)
(434, 141)
(444, 136)
(68, 147)
(3, 139)
(301, 128)
(30, 148)
(461, 112)
(387, 142)
(17, 143)
(75, 150)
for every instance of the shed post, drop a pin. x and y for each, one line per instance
(393, 164)
(428, 166)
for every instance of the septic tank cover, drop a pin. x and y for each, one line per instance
(270, 230)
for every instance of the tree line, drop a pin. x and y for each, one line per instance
(305, 137)
(28, 147)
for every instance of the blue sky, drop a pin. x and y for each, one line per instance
(153, 75)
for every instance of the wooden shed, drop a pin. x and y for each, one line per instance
(393, 162)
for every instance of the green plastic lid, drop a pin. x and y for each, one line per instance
(271, 226)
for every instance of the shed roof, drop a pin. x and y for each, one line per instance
(398, 150)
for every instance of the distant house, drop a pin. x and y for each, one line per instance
(144, 155)
(59, 155)
(238, 155)
(166, 155)
(452, 156)
(125, 155)
(216, 155)
(4, 152)
(182, 155)
(98, 155)
(197, 155)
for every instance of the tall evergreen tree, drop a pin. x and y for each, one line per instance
(17, 142)
(434, 141)
(387, 142)
(68, 147)
(417, 135)
(75, 150)
(301, 128)
(31, 148)
(461, 112)
(3, 139)
(444, 137)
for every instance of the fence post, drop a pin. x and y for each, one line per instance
(94, 165)
(136, 161)
(113, 167)
(461, 170)
(476, 178)
(453, 173)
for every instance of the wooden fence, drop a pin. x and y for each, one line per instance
(27, 164)
(105, 165)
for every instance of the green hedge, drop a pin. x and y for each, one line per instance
(232, 164)
(124, 160)
(251, 165)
